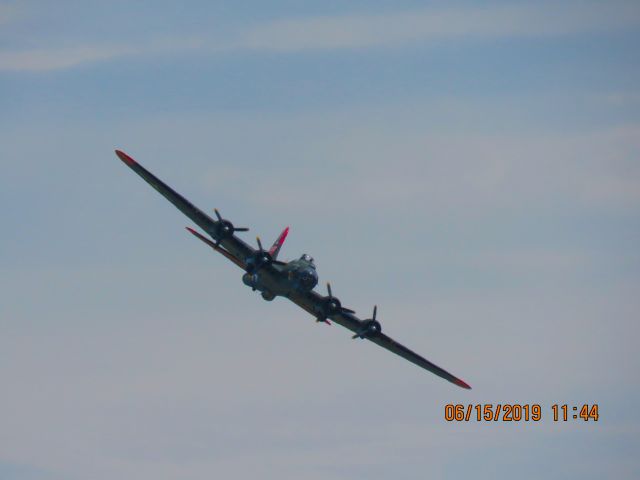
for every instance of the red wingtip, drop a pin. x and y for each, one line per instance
(190, 229)
(462, 384)
(125, 158)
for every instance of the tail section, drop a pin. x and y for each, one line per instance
(275, 248)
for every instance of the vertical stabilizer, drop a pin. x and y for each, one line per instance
(275, 248)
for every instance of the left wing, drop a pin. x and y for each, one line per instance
(232, 244)
(313, 303)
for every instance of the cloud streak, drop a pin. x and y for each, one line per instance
(57, 59)
(355, 31)
(431, 24)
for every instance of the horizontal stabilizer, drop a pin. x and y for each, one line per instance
(230, 256)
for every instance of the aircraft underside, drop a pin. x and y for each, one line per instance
(291, 278)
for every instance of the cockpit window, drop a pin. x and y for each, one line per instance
(307, 258)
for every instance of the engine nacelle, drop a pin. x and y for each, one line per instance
(330, 306)
(258, 260)
(224, 228)
(370, 327)
(251, 280)
(268, 296)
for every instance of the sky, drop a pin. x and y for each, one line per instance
(472, 170)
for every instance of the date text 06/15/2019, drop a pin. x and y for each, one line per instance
(516, 412)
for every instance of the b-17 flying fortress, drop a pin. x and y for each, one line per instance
(294, 280)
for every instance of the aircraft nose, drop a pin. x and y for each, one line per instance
(309, 278)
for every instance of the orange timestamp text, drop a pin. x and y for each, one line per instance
(516, 412)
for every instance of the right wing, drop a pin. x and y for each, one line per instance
(238, 249)
(312, 302)
(390, 344)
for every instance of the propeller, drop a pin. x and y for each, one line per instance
(259, 259)
(370, 327)
(225, 229)
(331, 306)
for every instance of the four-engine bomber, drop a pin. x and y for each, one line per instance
(294, 280)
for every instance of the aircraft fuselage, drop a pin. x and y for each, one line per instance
(297, 275)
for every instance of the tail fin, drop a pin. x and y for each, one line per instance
(275, 248)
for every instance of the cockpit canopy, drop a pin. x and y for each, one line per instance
(307, 258)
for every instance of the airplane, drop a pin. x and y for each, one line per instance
(273, 278)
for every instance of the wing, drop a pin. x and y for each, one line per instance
(390, 344)
(232, 244)
(312, 302)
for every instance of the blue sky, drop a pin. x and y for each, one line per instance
(472, 170)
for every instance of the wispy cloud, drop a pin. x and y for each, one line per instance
(618, 99)
(56, 59)
(356, 31)
(60, 58)
(430, 24)
(594, 169)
